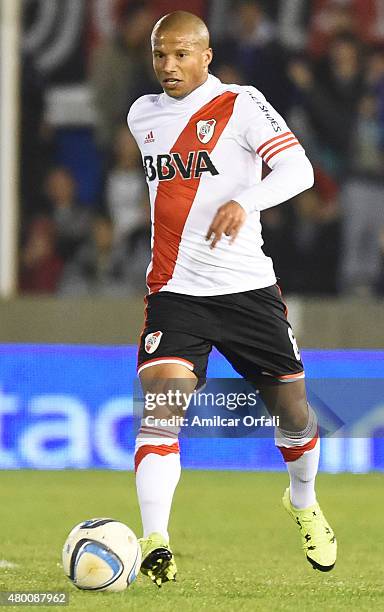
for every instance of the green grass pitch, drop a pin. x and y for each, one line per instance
(235, 546)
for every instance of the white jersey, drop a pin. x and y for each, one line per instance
(199, 152)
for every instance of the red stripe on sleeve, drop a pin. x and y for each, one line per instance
(272, 140)
(277, 145)
(293, 144)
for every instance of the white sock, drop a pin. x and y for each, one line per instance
(157, 464)
(301, 452)
(302, 474)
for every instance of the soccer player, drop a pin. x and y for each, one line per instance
(210, 284)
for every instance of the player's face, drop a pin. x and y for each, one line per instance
(180, 63)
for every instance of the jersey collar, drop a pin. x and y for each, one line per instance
(198, 94)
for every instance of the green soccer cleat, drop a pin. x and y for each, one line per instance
(319, 541)
(158, 561)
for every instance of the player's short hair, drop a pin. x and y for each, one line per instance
(173, 20)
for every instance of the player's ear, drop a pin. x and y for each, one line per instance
(207, 55)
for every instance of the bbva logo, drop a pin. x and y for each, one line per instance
(168, 165)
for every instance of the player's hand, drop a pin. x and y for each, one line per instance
(228, 220)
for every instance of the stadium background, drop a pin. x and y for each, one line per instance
(73, 258)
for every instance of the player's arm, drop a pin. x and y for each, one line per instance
(269, 137)
(289, 177)
(291, 174)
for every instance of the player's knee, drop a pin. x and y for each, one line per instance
(168, 377)
(168, 388)
(294, 416)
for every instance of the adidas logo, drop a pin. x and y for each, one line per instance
(149, 138)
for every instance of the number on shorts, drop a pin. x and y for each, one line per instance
(294, 344)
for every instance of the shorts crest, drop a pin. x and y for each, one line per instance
(152, 341)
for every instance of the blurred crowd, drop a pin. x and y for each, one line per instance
(85, 220)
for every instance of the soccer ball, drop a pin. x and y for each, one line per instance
(101, 555)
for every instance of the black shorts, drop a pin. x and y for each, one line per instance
(250, 329)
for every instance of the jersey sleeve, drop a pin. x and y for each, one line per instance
(262, 130)
(131, 118)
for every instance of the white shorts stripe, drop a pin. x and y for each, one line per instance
(288, 379)
(162, 360)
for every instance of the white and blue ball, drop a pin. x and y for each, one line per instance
(101, 554)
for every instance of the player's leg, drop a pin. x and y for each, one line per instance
(173, 356)
(298, 441)
(296, 437)
(260, 345)
(157, 465)
(157, 453)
